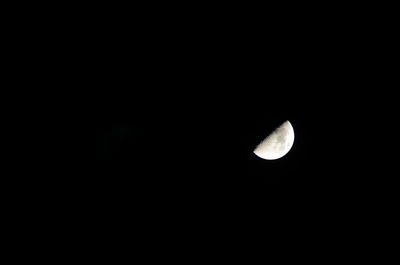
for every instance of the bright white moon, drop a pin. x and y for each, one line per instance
(277, 144)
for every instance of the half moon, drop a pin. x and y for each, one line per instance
(277, 144)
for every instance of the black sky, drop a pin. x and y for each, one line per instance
(164, 116)
(175, 109)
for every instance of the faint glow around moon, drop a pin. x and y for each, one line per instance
(277, 144)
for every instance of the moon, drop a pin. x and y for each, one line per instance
(277, 144)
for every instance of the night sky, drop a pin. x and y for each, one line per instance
(183, 151)
(165, 120)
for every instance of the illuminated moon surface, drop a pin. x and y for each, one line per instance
(277, 144)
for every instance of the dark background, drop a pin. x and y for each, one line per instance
(160, 114)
